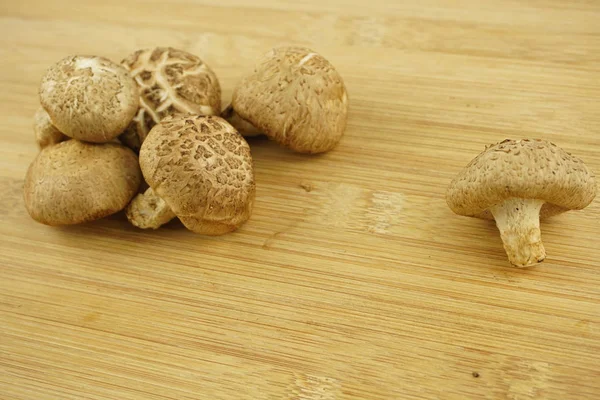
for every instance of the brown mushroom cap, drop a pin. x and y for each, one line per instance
(170, 81)
(89, 98)
(202, 167)
(74, 182)
(529, 169)
(46, 134)
(297, 98)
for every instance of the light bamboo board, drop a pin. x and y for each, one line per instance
(353, 279)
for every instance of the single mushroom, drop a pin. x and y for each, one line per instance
(170, 81)
(517, 182)
(74, 182)
(199, 169)
(296, 98)
(89, 98)
(46, 134)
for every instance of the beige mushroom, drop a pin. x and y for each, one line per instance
(89, 98)
(517, 182)
(46, 134)
(199, 169)
(74, 182)
(170, 81)
(296, 97)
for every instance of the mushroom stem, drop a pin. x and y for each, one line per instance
(148, 210)
(518, 220)
(240, 124)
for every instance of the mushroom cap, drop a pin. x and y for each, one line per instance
(74, 182)
(89, 98)
(296, 97)
(202, 167)
(530, 169)
(46, 134)
(170, 81)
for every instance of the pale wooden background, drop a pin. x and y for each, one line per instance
(353, 280)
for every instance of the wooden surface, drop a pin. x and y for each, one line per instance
(352, 280)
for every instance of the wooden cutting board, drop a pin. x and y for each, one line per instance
(353, 279)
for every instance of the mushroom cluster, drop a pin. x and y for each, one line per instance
(81, 173)
(148, 136)
(106, 131)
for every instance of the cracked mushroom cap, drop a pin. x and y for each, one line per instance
(297, 98)
(529, 169)
(74, 182)
(170, 81)
(89, 98)
(46, 134)
(202, 168)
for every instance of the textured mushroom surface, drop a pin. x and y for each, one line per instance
(89, 98)
(296, 97)
(74, 182)
(170, 81)
(517, 182)
(46, 134)
(202, 168)
(532, 169)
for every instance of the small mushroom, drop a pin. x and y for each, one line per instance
(517, 182)
(199, 169)
(170, 81)
(296, 98)
(74, 182)
(89, 98)
(46, 134)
